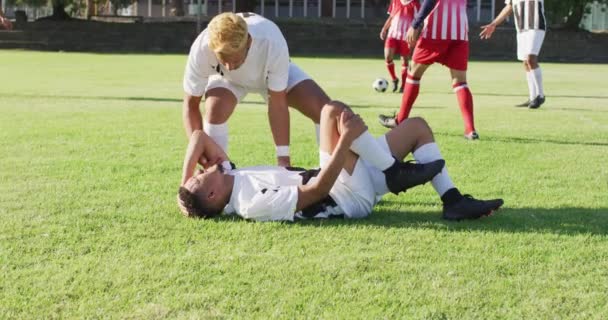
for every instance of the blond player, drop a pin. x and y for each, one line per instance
(239, 54)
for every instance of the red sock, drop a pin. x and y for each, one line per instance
(465, 100)
(391, 69)
(403, 74)
(410, 93)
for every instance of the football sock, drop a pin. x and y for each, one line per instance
(451, 196)
(369, 150)
(531, 85)
(428, 153)
(410, 93)
(391, 69)
(318, 133)
(219, 134)
(538, 81)
(465, 101)
(403, 74)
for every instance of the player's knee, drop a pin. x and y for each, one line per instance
(333, 108)
(421, 126)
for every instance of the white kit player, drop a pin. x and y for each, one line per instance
(347, 185)
(245, 53)
(530, 23)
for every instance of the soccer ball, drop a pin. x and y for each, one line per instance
(380, 84)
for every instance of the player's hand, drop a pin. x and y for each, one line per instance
(487, 31)
(412, 36)
(383, 34)
(284, 161)
(350, 126)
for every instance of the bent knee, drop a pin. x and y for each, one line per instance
(333, 108)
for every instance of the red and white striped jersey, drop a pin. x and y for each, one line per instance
(403, 12)
(447, 21)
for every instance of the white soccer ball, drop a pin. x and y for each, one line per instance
(380, 84)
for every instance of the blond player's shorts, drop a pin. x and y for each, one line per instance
(357, 194)
(529, 42)
(296, 75)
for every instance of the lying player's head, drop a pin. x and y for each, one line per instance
(205, 194)
(229, 39)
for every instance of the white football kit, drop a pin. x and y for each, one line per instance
(266, 67)
(530, 23)
(270, 193)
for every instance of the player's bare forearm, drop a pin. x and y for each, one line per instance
(278, 116)
(319, 189)
(191, 114)
(196, 148)
(502, 16)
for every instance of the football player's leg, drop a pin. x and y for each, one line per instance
(330, 136)
(306, 96)
(219, 105)
(465, 101)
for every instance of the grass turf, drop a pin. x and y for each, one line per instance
(91, 147)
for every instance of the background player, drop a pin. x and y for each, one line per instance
(401, 13)
(441, 31)
(531, 26)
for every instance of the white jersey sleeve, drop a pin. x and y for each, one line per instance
(198, 67)
(278, 65)
(272, 204)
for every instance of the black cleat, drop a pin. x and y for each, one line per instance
(536, 103)
(387, 121)
(471, 135)
(404, 175)
(395, 85)
(524, 105)
(470, 208)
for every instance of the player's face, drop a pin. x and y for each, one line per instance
(234, 61)
(212, 184)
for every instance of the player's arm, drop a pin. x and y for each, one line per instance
(350, 127)
(278, 112)
(385, 27)
(488, 30)
(196, 76)
(200, 148)
(191, 114)
(414, 31)
(278, 116)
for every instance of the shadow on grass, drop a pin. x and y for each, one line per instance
(529, 140)
(569, 221)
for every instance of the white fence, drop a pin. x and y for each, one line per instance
(479, 10)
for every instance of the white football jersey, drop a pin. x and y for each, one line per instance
(264, 193)
(265, 68)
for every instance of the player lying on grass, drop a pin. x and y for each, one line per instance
(346, 185)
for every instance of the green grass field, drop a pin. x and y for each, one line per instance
(90, 154)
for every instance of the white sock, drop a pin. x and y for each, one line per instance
(531, 85)
(219, 134)
(430, 152)
(369, 150)
(538, 81)
(318, 132)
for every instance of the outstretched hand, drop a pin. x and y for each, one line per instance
(487, 31)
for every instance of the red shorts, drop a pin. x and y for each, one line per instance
(400, 46)
(453, 54)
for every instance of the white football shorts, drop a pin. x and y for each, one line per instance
(529, 42)
(296, 75)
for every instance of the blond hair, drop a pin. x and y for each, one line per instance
(227, 33)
